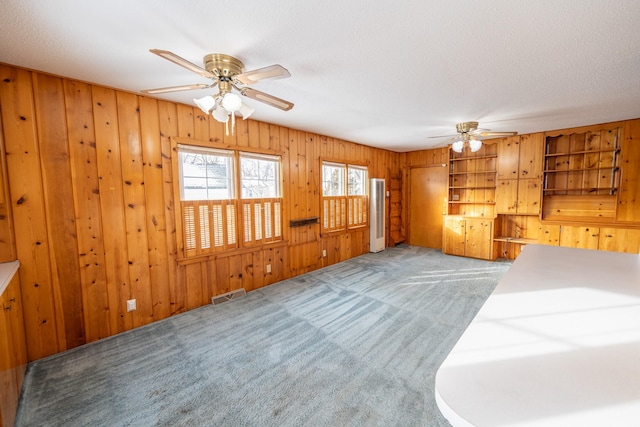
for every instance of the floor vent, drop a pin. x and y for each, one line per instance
(219, 299)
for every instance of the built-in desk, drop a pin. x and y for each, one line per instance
(556, 344)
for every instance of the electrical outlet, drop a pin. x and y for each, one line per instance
(324, 252)
(268, 268)
(131, 305)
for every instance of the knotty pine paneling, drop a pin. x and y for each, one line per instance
(29, 211)
(156, 224)
(7, 243)
(91, 191)
(176, 279)
(58, 196)
(111, 193)
(86, 202)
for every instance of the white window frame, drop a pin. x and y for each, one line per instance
(341, 210)
(211, 225)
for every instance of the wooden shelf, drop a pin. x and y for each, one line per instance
(611, 168)
(572, 153)
(473, 187)
(458, 202)
(519, 240)
(471, 172)
(489, 156)
(583, 190)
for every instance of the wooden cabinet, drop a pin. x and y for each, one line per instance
(590, 237)
(519, 171)
(471, 237)
(579, 237)
(13, 348)
(619, 240)
(518, 196)
(628, 209)
(520, 156)
(508, 157)
(454, 235)
(472, 182)
(549, 234)
(395, 210)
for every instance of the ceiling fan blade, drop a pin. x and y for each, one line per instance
(271, 72)
(451, 139)
(170, 56)
(497, 134)
(266, 98)
(444, 136)
(176, 88)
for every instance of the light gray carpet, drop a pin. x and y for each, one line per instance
(354, 344)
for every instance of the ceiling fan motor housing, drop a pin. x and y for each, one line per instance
(224, 67)
(466, 127)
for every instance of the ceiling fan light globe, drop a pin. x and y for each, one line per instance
(220, 114)
(457, 146)
(206, 103)
(246, 111)
(475, 145)
(231, 102)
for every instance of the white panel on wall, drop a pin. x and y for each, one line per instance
(376, 227)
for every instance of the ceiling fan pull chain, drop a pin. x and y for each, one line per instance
(233, 123)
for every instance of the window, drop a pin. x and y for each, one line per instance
(261, 197)
(344, 196)
(357, 196)
(206, 174)
(259, 175)
(212, 215)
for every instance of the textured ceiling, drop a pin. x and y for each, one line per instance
(385, 73)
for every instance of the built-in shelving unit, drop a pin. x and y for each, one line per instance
(468, 227)
(581, 175)
(472, 183)
(571, 167)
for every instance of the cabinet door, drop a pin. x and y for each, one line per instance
(506, 196)
(508, 155)
(479, 238)
(454, 235)
(18, 334)
(549, 235)
(579, 237)
(9, 392)
(529, 196)
(531, 155)
(629, 197)
(619, 240)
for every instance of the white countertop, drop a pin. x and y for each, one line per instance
(7, 270)
(556, 344)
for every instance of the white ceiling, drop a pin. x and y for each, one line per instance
(385, 73)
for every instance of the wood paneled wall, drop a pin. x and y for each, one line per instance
(91, 197)
(88, 206)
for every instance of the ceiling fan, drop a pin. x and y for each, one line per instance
(229, 76)
(468, 132)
